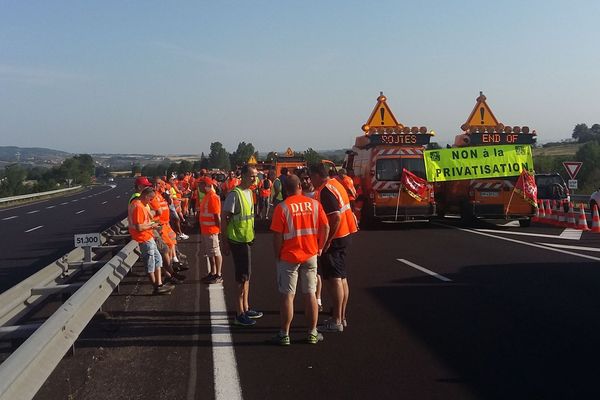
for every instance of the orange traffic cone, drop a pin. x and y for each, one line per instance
(582, 224)
(562, 221)
(571, 219)
(548, 212)
(541, 211)
(595, 220)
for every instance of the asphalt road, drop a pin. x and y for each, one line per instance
(437, 311)
(36, 234)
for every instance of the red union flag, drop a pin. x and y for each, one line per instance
(414, 186)
(526, 187)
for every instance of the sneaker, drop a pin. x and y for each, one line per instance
(183, 236)
(314, 339)
(280, 340)
(208, 278)
(243, 320)
(178, 266)
(344, 323)
(162, 289)
(254, 314)
(217, 279)
(329, 325)
(179, 277)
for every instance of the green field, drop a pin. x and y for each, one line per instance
(557, 150)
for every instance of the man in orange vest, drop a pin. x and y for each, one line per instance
(209, 212)
(347, 183)
(141, 228)
(332, 263)
(300, 229)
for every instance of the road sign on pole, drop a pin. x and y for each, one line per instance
(573, 184)
(572, 167)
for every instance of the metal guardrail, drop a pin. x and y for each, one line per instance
(4, 200)
(27, 368)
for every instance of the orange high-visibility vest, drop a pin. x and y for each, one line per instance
(300, 237)
(208, 226)
(347, 183)
(348, 222)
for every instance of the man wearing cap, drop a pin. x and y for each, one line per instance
(209, 215)
(140, 183)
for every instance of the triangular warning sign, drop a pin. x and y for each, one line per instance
(482, 115)
(572, 168)
(289, 152)
(382, 116)
(252, 160)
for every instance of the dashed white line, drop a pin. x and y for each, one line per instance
(422, 269)
(7, 218)
(34, 229)
(104, 202)
(79, 212)
(64, 204)
(118, 197)
(33, 212)
(73, 201)
(49, 207)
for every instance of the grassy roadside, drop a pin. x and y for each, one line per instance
(41, 198)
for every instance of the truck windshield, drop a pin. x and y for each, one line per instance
(390, 169)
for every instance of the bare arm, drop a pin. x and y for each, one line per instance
(334, 219)
(322, 237)
(225, 218)
(277, 244)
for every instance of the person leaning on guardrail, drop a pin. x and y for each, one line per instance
(141, 228)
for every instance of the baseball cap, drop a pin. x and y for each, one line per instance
(207, 180)
(142, 181)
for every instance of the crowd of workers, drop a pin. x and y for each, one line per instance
(311, 213)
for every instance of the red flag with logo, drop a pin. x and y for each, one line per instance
(413, 185)
(526, 187)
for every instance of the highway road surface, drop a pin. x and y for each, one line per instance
(437, 311)
(36, 234)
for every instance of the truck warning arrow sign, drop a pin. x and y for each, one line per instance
(572, 168)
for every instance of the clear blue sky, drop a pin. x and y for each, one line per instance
(170, 77)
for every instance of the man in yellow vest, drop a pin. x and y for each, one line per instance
(238, 226)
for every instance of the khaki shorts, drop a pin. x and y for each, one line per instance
(287, 276)
(211, 245)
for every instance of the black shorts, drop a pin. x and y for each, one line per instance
(332, 263)
(242, 260)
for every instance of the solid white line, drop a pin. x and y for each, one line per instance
(104, 202)
(33, 212)
(49, 207)
(570, 233)
(79, 212)
(33, 229)
(525, 243)
(226, 378)
(7, 218)
(565, 246)
(422, 269)
(521, 233)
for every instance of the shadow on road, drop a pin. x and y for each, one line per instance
(512, 331)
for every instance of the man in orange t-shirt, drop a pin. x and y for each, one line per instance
(141, 228)
(209, 215)
(300, 229)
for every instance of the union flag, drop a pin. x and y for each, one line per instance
(413, 185)
(527, 188)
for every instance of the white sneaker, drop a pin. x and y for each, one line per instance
(329, 325)
(183, 236)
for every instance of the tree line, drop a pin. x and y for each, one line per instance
(218, 158)
(16, 179)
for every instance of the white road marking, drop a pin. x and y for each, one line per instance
(7, 218)
(422, 269)
(565, 246)
(73, 201)
(79, 212)
(478, 232)
(511, 223)
(34, 229)
(33, 212)
(49, 207)
(520, 233)
(64, 204)
(104, 202)
(118, 197)
(570, 233)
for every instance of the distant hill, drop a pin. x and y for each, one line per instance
(14, 153)
(557, 149)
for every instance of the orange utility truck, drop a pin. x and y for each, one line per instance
(377, 161)
(491, 198)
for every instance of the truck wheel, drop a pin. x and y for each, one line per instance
(466, 214)
(524, 223)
